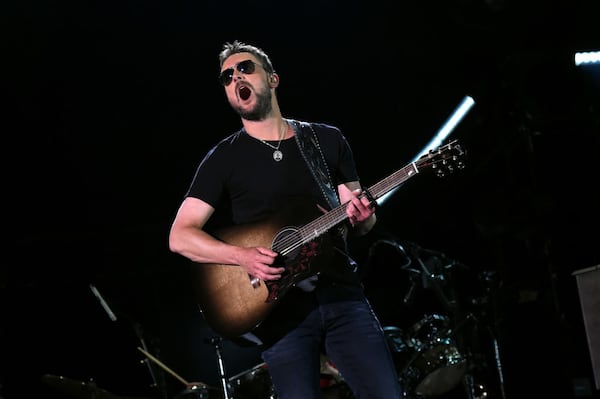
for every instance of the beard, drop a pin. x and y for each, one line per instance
(262, 108)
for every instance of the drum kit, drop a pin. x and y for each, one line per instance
(431, 320)
(427, 358)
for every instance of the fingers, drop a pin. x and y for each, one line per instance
(359, 208)
(267, 252)
(260, 265)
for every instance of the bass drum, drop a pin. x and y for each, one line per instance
(436, 366)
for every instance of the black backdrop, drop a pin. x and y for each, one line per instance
(109, 106)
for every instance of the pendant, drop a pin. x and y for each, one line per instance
(277, 155)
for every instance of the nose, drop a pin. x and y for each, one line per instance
(236, 74)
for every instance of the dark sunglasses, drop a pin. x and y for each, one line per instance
(246, 67)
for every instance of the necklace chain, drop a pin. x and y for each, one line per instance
(271, 145)
(277, 155)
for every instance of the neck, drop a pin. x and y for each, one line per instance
(271, 129)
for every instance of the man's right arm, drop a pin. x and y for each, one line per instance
(187, 238)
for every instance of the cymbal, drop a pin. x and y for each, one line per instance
(80, 389)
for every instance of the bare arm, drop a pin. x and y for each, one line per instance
(187, 238)
(359, 210)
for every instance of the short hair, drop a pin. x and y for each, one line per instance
(237, 46)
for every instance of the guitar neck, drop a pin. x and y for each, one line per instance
(442, 160)
(337, 215)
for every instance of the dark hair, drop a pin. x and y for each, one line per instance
(240, 47)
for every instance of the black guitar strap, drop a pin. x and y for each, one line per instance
(308, 143)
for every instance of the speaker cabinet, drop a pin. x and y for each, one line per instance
(588, 284)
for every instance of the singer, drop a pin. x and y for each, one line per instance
(271, 163)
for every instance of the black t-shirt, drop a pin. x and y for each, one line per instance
(241, 180)
(240, 175)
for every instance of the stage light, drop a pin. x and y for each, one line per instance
(587, 58)
(454, 119)
(461, 110)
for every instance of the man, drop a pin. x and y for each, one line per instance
(274, 163)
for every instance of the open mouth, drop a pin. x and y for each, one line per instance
(244, 92)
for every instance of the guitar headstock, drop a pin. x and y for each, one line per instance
(444, 159)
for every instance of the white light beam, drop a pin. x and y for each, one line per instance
(465, 106)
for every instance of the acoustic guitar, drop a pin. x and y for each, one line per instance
(234, 303)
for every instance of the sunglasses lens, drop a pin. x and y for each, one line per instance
(226, 76)
(246, 67)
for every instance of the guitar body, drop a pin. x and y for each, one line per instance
(229, 302)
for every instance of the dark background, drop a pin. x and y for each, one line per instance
(110, 105)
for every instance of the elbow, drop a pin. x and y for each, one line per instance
(174, 243)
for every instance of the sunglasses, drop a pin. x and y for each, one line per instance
(246, 67)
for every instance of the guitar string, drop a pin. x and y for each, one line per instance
(290, 244)
(332, 216)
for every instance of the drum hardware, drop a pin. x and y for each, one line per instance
(434, 356)
(77, 389)
(254, 383)
(81, 389)
(491, 281)
(474, 389)
(155, 382)
(435, 280)
(139, 332)
(396, 245)
(198, 390)
(428, 360)
(216, 342)
(193, 391)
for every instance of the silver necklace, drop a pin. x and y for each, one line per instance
(277, 155)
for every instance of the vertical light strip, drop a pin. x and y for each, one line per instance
(465, 106)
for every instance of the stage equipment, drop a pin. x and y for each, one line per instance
(588, 282)
(254, 383)
(198, 390)
(139, 332)
(428, 361)
(80, 389)
(461, 110)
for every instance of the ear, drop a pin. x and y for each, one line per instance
(274, 80)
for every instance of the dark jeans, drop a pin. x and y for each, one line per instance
(353, 340)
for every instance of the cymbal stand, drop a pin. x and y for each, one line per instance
(138, 329)
(498, 363)
(488, 319)
(199, 389)
(162, 386)
(491, 284)
(434, 280)
(216, 342)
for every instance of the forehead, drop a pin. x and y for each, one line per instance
(236, 58)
